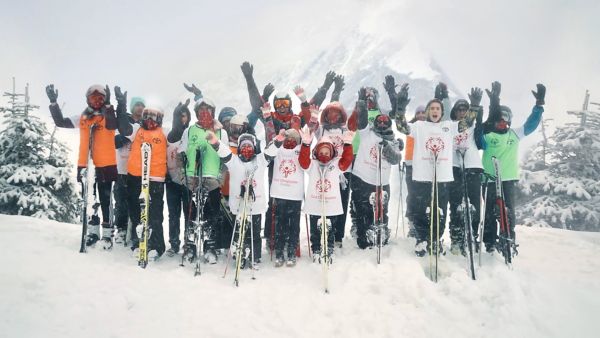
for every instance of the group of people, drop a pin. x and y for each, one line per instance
(346, 159)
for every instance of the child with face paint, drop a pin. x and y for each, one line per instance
(433, 136)
(150, 131)
(333, 125)
(324, 159)
(365, 171)
(195, 137)
(99, 112)
(247, 160)
(287, 190)
(501, 141)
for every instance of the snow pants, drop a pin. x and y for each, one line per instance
(155, 211)
(456, 198)
(287, 226)
(362, 210)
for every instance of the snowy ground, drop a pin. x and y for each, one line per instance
(48, 289)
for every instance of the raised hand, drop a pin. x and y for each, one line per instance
(281, 136)
(194, 90)
(339, 83)
(540, 95)
(329, 77)
(52, 94)
(120, 96)
(266, 110)
(107, 97)
(267, 91)
(299, 91)
(211, 137)
(402, 99)
(180, 109)
(362, 94)
(494, 94)
(441, 91)
(390, 84)
(247, 69)
(475, 96)
(306, 135)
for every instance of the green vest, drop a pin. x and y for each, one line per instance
(211, 162)
(505, 147)
(356, 140)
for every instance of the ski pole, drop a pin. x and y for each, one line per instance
(307, 235)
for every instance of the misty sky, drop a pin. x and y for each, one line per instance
(151, 47)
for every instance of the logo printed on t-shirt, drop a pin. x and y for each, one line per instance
(435, 144)
(323, 185)
(287, 168)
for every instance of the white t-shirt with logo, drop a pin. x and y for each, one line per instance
(288, 176)
(237, 177)
(327, 188)
(430, 137)
(365, 164)
(466, 141)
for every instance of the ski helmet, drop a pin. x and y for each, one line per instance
(506, 114)
(282, 100)
(460, 104)
(247, 147)
(204, 102)
(96, 89)
(324, 151)
(226, 114)
(94, 101)
(152, 118)
(382, 126)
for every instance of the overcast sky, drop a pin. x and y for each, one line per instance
(151, 47)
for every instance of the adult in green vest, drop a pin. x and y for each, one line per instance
(499, 140)
(196, 137)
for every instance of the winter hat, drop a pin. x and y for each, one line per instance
(239, 120)
(506, 114)
(205, 102)
(244, 140)
(324, 142)
(136, 100)
(382, 126)
(331, 107)
(293, 133)
(461, 103)
(226, 113)
(95, 89)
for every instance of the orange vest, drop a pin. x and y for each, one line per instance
(225, 185)
(158, 162)
(410, 145)
(103, 149)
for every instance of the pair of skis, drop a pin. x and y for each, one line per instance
(244, 214)
(377, 200)
(145, 205)
(193, 248)
(325, 225)
(467, 211)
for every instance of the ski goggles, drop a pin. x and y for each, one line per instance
(281, 104)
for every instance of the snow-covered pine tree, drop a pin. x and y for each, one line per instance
(563, 190)
(34, 181)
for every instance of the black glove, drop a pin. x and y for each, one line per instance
(540, 95)
(475, 96)
(267, 91)
(390, 84)
(329, 77)
(339, 83)
(400, 144)
(180, 109)
(362, 94)
(361, 107)
(194, 90)
(247, 69)
(52, 94)
(107, 97)
(121, 97)
(494, 94)
(402, 100)
(441, 91)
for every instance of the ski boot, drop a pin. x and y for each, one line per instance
(94, 232)
(210, 256)
(107, 236)
(189, 252)
(172, 251)
(121, 236)
(291, 261)
(421, 249)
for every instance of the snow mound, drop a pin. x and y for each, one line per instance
(51, 290)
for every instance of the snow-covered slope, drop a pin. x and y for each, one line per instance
(51, 290)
